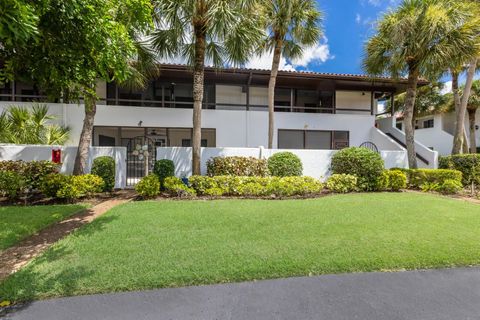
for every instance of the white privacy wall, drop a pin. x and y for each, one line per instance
(316, 163)
(35, 152)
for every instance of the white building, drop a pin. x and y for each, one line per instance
(313, 111)
(436, 131)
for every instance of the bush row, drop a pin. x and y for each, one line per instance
(468, 164)
(31, 173)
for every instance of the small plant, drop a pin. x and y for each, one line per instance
(12, 184)
(450, 186)
(176, 187)
(104, 167)
(392, 180)
(342, 183)
(366, 164)
(52, 183)
(429, 187)
(88, 184)
(418, 177)
(285, 164)
(237, 166)
(164, 168)
(69, 191)
(148, 187)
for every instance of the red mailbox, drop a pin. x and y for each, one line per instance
(56, 155)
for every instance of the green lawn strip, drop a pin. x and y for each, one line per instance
(19, 222)
(144, 245)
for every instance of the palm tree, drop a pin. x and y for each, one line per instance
(21, 125)
(419, 39)
(291, 25)
(216, 31)
(472, 107)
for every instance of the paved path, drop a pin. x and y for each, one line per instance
(19, 255)
(440, 294)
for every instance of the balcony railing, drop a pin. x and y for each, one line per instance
(189, 105)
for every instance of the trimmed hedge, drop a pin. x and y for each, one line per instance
(176, 187)
(237, 166)
(285, 164)
(468, 164)
(392, 180)
(104, 167)
(32, 172)
(419, 177)
(342, 183)
(364, 163)
(164, 168)
(255, 186)
(148, 187)
(76, 187)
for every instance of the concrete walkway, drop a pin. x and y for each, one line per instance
(436, 294)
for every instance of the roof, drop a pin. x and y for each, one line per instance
(303, 74)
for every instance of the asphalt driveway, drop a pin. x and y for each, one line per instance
(432, 294)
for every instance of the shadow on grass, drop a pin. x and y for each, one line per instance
(35, 281)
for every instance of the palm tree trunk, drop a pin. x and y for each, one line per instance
(408, 114)
(459, 117)
(472, 119)
(198, 79)
(277, 53)
(86, 135)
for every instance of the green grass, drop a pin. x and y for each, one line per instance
(176, 243)
(18, 222)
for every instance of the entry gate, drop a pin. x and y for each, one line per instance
(141, 155)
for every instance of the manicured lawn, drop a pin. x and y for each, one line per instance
(18, 222)
(176, 243)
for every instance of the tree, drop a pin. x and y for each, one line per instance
(419, 39)
(291, 25)
(472, 107)
(21, 125)
(79, 43)
(429, 100)
(215, 31)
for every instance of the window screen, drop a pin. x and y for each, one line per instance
(290, 139)
(318, 140)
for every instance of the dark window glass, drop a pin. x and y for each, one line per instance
(290, 139)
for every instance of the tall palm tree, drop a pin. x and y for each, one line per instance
(214, 31)
(472, 107)
(418, 39)
(21, 125)
(291, 26)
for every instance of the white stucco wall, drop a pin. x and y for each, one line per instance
(316, 163)
(36, 152)
(233, 128)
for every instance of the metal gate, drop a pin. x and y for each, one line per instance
(141, 155)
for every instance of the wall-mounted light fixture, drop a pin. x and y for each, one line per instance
(140, 123)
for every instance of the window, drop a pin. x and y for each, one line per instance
(313, 139)
(428, 123)
(188, 143)
(399, 125)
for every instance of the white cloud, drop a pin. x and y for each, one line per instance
(358, 18)
(265, 62)
(317, 54)
(447, 87)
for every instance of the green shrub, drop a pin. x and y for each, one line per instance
(53, 182)
(285, 164)
(32, 172)
(75, 187)
(450, 186)
(418, 177)
(148, 187)
(104, 167)
(342, 183)
(255, 186)
(175, 187)
(164, 168)
(88, 184)
(468, 164)
(237, 166)
(365, 164)
(392, 180)
(293, 186)
(12, 184)
(429, 186)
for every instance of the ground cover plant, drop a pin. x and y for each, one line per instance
(18, 222)
(153, 244)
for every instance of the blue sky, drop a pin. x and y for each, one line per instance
(347, 25)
